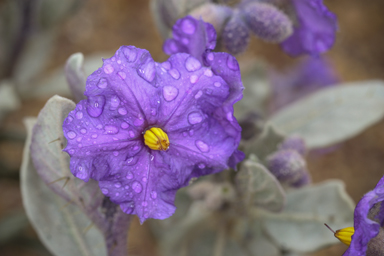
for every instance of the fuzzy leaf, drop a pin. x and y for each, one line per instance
(300, 227)
(333, 115)
(60, 225)
(8, 98)
(74, 72)
(258, 187)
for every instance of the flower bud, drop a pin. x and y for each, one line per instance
(214, 14)
(295, 143)
(267, 22)
(236, 34)
(289, 167)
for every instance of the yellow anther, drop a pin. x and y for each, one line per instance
(156, 139)
(345, 235)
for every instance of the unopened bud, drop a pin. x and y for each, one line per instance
(295, 143)
(235, 34)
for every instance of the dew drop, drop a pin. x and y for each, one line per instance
(198, 94)
(79, 115)
(135, 148)
(83, 131)
(122, 75)
(99, 126)
(111, 129)
(188, 26)
(201, 166)
(138, 122)
(154, 194)
(115, 102)
(144, 203)
(147, 70)
(95, 105)
(115, 153)
(208, 91)
(69, 119)
(174, 73)
(185, 134)
(71, 151)
(217, 84)
(119, 62)
(170, 92)
(122, 111)
(137, 187)
(193, 79)
(153, 111)
(130, 53)
(105, 191)
(129, 174)
(232, 63)
(131, 134)
(208, 73)
(192, 64)
(94, 135)
(166, 65)
(229, 117)
(124, 125)
(144, 179)
(202, 146)
(108, 69)
(195, 118)
(210, 56)
(191, 132)
(117, 185)
(79, 139)
(126, 187)
(71, 134)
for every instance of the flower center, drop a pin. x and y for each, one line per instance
(345, 235)
(156, 139)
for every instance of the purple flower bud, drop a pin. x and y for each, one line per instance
(289, 167)
(294, 143)
(235, 34)
(267, 22)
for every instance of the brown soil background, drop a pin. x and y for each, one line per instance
(105, 25)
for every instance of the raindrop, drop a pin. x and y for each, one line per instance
(95, 105)
(217, 84)
(195, 118)
(154, 194)
(117, 185)
(174, 73)
(210, 56)
(126, 187)
(144, 203)
(108, 69)
(229, 117)
(131, 134)
(122, 111)
(115, 153)
(115, 102)
(170, 92)
(191, 132)
(166, 65)
(198, 94)
(99, 126)
(192, 64)
(71, 134)
(232, 63)
(105, 191)
(202, 146)
(111, 129)
(94, 135)
(188, 26)
(153, 111)
(124, 125)
(130, 53)
(83, 131)
(201, 166)
(79, 139)
(138, 122)
(147, 70)
(193, 79)
(122, 75)
(208, 73)
(129, 174)
(185, 134)
(144, 179)
(79, 115)
(137, 187)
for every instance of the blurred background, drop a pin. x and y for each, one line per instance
(30, 46)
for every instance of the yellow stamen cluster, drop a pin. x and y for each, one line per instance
(345, 235)
(156, 139)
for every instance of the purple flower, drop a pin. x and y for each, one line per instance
(368, 227)
(147, 128)
(314, 32)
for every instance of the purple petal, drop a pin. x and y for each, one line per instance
(191, 36)
(367, 227)
(315, 30)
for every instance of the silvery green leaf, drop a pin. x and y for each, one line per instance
(52, 12)
(56, 82)
(334, 114)
(60, 225)
(300, 227)
(8, 98)
(74, 72)
(265, 144)
(11, 226)
(258, 187)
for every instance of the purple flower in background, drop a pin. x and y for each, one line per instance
(368, 235)
(314, 31)
(147, 128)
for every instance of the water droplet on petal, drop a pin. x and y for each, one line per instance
(166, 65)
(188, 26)
(208, 91)
(115, 102)
(99, 126)
(122, 75)
(69, 119)
(193, 79)
(129, 174)
(111, 129)
(232, 63)
(124, 125)
(79, 115)
(217, 84)
(195, 118)
(94, 135)
(144, 179)
(154, 194)
(210, 56)
(147, 70)
(229, 117)
(130, 53)
(174, 73)
(117, 185)
(208, 73)
(170, 92)
(153, 111)
(71, 135)
(144, 203)
(185, 134)
(198, 94)
(83, 131)
(192, 64)
(115, 153)
(202, 146)
(137, 187)
(103, 83)
(131, 134)
(105, 191)
(79, 139)
(138, 122)
(126, 187)
(108, 69)
(122, 111)
(201, 166)
(95, 105)
(191, 132)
